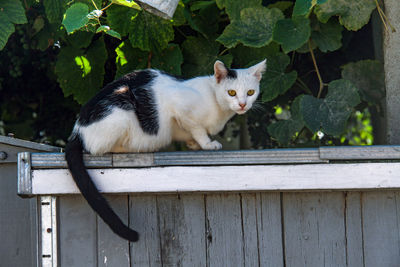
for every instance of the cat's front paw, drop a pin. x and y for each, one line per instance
(214, 145)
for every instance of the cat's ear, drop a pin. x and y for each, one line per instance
(258, 69)
(220, 71)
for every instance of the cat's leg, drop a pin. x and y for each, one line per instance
(201, 137)
(193, 145)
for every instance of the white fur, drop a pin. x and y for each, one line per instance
(188, 111)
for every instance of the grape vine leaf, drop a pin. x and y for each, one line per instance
(179, 16)
(80, 39)
(328, 36)
(76, 17)
(107, 30)
(55, 9)
(233, 7)
(205, 21)
(149, 32)
(368, 77)
(80, 71)
(169, 60)
(11, 12)
(304, 7)
(127, 3)
(353, 14)
(292, 33)
(200, 55)
(119, 18)
(254, 28)
(275, 80)
(246, 56)
(282, 5)
(330, 114)
(129, 59)
(284, 130)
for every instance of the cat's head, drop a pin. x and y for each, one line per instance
(237, 89)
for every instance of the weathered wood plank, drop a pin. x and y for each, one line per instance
(182, 230)
(143, 216)
(250, 214)
(113, 250)
(269, 225)
(314, 229)
(77, 239)
(359, 152)
(224, 178)
(224, 228)
(354, 235)
(381, 228)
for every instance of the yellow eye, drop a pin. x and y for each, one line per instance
(231, 92)
(250, 92)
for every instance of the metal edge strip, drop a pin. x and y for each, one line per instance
(24, 175)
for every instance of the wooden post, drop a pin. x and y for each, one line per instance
(391, 49)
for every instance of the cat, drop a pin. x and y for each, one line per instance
(146, 110)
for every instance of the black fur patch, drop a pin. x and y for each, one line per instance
(139, 98)
(231, 74)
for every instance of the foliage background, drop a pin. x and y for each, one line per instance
(321, 85)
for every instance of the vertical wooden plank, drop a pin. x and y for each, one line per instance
(354, 235)
(112, 249)
(270, 229)
(225, 236)
(250, 213)
(314, 229)
(381, 228)
(143, 218)
(78, 233)
(182, 230)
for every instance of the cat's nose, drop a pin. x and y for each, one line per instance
(242, 105)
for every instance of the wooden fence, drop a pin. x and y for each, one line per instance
(301, 207)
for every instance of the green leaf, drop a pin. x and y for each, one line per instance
(200, 55)
(253, 29)
(13, 10)
(353, 14)
(234, 7)
(129, 59)
(179, 16)
(80, 72)
(120, 18)
(282, 5)
(76, 17)
(127, 3)
(328, 36)
(169, 60)
(292, 33)
(6, 29)
(106, 29)
(275, 80)
(149, 32)
(55, 10)
(304, 7)
(368, 77)
(80, 39)
(205, 21)
(330, 114)
(284, 130)
(248, 56)
(201, 5)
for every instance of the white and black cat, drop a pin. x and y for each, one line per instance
(146, 110)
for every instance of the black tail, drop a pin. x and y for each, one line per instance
(74, 157)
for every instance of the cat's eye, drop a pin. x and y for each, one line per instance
(231, 92)
(251, 92)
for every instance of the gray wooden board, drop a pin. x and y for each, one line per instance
(224, 228)
(359, 152)
(182, 230)
(250, 212)
(314, 229)
(381, 217)
(113, 250)
(78, 232)
(354, 234)
(17, 246)
(269, 225)
(143, 217)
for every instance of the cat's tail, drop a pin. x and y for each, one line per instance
(74, 157)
